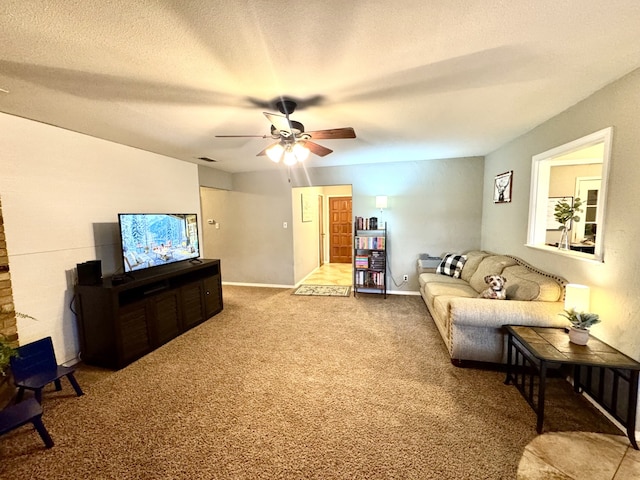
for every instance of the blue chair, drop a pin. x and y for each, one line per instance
(35, 367)
(29, 411)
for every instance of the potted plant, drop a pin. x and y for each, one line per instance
(580, 324)
(6, 352)
(6, 388)
(564, 213)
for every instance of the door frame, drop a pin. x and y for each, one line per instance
(321, 233)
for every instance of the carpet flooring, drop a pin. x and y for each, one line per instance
(279, 386)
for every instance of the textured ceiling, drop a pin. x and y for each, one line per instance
(416, 79)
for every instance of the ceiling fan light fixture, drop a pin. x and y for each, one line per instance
(301, 152)
(274, 152)
(290, 158)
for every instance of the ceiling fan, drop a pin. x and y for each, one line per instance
(294, 144)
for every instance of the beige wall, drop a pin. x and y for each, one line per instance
(251, 242)
(615, 283)
(434, 206)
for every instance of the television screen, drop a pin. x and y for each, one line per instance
(154, 239)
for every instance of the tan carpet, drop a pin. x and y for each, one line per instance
(280, 386)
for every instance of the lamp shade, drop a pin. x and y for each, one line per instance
(381, 201)
(576, 297)
(301, 152)
(274, 152)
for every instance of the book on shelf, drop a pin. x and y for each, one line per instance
(377, 259)
(369, 223)
(369, 279)
(370, 243)
(362, 261)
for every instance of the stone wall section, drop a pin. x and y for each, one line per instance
(8, 324)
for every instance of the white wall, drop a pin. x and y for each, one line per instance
(61, 193)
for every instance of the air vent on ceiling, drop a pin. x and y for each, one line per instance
(207, 159)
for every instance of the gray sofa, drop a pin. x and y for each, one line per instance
(471, 327)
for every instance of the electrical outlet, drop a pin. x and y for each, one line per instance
(405, 278)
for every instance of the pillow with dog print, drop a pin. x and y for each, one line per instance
(451, 265)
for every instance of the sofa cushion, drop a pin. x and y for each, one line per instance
(491, 265)
(451, 265)
(451, 289)
(474, 258)
(434, 292)
(428, 278)
(523, 284)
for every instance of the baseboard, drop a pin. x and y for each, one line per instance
(402, 292)
(265, 285)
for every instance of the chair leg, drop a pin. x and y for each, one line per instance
(20, 394)
(74, 383)
(58, 384)
(44, 434)
(38, 395)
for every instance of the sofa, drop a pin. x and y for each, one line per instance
(471, 327)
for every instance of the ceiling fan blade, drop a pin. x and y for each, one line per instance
(333, 133)
(279, 121)
(264, 152)
(317, 149)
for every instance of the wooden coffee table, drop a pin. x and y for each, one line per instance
(600, 370)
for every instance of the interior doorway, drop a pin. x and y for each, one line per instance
(585, 229)
(323, 237)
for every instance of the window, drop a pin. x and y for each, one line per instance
(578, 169)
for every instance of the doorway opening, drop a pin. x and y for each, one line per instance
(323, 239)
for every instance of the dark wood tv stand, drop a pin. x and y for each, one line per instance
(119, 323)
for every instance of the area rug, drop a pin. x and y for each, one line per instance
(323, 290)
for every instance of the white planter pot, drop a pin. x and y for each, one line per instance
(578, 336)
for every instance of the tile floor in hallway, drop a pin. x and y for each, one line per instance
(331, 274)
(554, 455)
(579, 456)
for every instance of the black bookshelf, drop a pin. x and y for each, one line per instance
(370, 257)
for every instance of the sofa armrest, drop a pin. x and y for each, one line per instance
(481, 312)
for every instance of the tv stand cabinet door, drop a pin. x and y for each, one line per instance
(166, 317)
(212, 295)
(192, 302)
(133, 332)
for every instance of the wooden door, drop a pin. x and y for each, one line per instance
(340, 230)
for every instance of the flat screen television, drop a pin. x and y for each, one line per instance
(154, 239)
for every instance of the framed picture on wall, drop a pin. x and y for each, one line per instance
(502, 187)
(307, 208)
